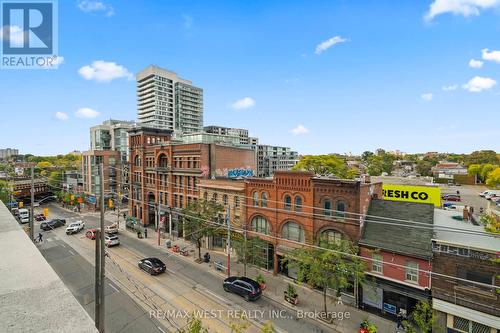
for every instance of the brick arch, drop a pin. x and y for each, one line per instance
(333, 228)
(157, 158)
(269, 222)
(281, 224)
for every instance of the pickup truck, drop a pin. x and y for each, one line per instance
(111, 229)
(75, 227)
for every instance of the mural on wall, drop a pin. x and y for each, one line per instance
(243, 172)
(205, 171)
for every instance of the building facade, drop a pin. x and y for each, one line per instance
(110, 159)
(466, 266)
(165, 173)
(111, 135)
(294, 208)
(241, 133)
(399, 257)
(8, 152)
(274, 158)
(166, 101)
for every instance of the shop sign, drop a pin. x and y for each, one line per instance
(389, 308)
(420, 194)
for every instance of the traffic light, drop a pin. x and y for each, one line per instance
(46, 212)
(20, 204)
(110, 203)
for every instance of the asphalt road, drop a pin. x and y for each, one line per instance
(189, 273)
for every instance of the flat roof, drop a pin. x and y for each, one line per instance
(444, 218)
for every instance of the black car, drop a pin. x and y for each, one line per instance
(243, 286)
(52, 224)
(153, 266)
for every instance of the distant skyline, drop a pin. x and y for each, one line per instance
(319, 77)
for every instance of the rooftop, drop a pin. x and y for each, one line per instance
(394, 235)
(33, 297)
(444, 218)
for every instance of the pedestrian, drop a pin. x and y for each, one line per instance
(39, 239)
(471, 210)
(145, 233)
(124, 216)
(399, 320)
(465, 216)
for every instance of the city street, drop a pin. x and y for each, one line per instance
(185, 286)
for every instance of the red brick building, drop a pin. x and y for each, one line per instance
(305, 208)
(166, 172)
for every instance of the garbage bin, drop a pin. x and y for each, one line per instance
(168, 243)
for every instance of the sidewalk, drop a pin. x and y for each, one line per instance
(309, 300)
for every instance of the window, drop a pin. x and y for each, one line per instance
(330, 237)
(255, 199)
(412, 272)
(224, 199)
(298, 204)
(327, 207)
(340, 209)
(377, 263)
(237, 201)
(214, 197)
(465, 273)
(137, 161)
(264, 199)
(259, 224)
(293, 231)
(288, 202)
(465, 325)
(205, 196)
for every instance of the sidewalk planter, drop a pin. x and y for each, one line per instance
(260, 280)
(291, 295)
(367, 327)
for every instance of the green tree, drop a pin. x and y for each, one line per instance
(493, 178)
(249, 251)
(334, 266)
(424, 167)
(486, 169)
(200, 220)
(55, 180)
(268, 327)
(482, 157)
(375, 165)
(366, 155)
(4, 191)
(474, 169)
(325, 165)
(423, 318)
(194, 325)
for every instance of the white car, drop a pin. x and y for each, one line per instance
(484, 194)
(24, 215)
(111, 229)
(75, 227)
(111, 240)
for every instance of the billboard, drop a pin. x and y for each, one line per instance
(410, 193)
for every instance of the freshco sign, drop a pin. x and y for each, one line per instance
(422, 194)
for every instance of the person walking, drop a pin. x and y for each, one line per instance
(465, 216)
(39, 238)
(145, 232)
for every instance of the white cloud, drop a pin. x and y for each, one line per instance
(427, 96)
(86, 113)
(491, 56)
(103, 71)
(451, 87)
(93, 6)
(61, 116)
(244, 103)
(459, 7)
(323, 46)
(300, 129)
(16, 35)
(478, 84)
(475, 63)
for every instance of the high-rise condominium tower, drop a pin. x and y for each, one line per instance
(166, 101)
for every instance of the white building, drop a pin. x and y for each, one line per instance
(166, 101)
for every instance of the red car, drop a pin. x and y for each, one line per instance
(91, 233)
(451, 197)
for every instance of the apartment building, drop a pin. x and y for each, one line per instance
(90, 172)
(8, 152)
(166, 101)
(274, 158)
(111, 135)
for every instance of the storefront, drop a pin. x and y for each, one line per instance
(389, 298)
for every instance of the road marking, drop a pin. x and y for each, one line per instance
(62, 244)
(113, 287)
(158, 327)
(71, 252)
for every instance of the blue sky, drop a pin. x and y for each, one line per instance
(318, 76)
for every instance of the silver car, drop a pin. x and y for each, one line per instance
(111, 240)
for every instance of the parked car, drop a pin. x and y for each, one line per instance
(451, 197)
(153, 266)
(111, 240)
(495, 199)
(484, 193)
(24, 215)
(49, 225)
(492, 194)
(243, 286)
(75, 227)
(91, 233)
(40, 217)
(111, 229)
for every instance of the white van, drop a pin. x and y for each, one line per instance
(24, 215)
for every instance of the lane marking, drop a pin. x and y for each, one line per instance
(71, 252)
(113, 287)
(158, 327)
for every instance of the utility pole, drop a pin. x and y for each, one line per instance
(32, 210)
(158, 222)
(97, 298)
(100, 262)
(228, 219)
(245, 250)
(170, 223)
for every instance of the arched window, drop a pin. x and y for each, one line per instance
(259, 224)
(255, 196)
(162, 161)
(330, 237)
(298, 204)
(340, 209)
(293, 231)
(288, 202)
(224, 199)
(205, 196)
(263, 199)
(214, 197)
(327, 207)
(236, 201)
(137, 161)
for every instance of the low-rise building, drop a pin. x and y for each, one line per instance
(448, 170)
(466, 268)
(399, 256)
